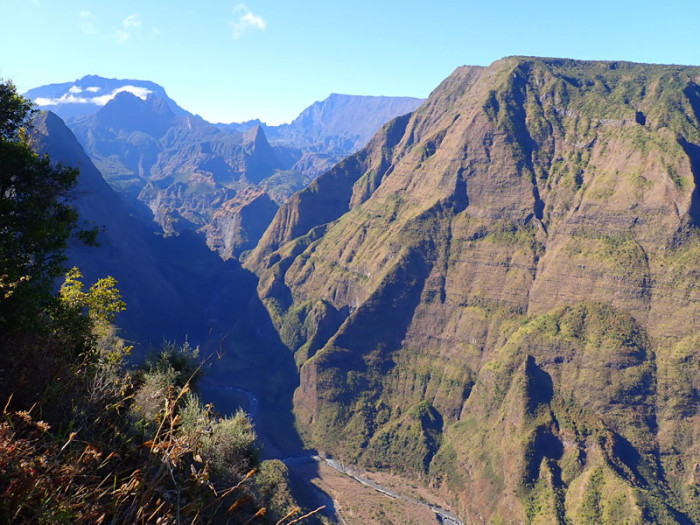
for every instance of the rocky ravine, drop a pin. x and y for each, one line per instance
(223, 181)
(499, 293)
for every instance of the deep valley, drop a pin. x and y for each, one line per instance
(486, 302)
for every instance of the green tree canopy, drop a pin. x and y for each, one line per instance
(36, 219)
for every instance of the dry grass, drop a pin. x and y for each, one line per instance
(103, 474)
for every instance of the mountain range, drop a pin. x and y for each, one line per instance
(500, 294)
(88, 94)
(184, 173)
(496, 296)
(340, 124)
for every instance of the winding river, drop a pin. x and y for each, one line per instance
(252, 405)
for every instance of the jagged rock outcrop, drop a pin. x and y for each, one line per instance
(506, 281)
(238, 223)
(185, 170)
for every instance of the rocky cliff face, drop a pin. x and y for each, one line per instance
(500, 293)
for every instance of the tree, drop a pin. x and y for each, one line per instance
(36, 218)
(102, 301)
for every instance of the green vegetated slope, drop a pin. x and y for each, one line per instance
(500, 293)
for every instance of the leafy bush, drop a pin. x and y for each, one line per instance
(179, 361)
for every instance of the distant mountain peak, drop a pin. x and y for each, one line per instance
(123, 102)
(346, 121)
(254, 135)
(130, 112)
(88, 94)
(125, 95)
(90, 78)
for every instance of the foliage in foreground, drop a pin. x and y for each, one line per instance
(124, 447)
(82, 439)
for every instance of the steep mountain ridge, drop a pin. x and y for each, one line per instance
(344, 122)
(122, 239)
(175, 288)
(503, 285)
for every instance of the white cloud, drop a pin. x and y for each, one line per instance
(92, 89)
(140, 92)
(70, 98)
(246, 19)
(87, 25)
(121, 35)
(75, 90)
(132, 21)
(41, 101)
(130, 25)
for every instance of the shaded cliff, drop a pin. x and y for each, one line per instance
(125, 250)
(505, 283)
(177, 289)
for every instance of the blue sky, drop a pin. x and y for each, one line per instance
(232, 60)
